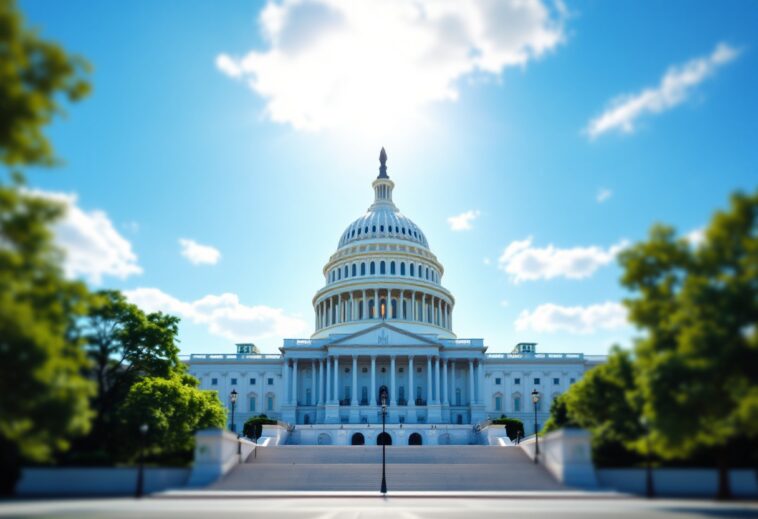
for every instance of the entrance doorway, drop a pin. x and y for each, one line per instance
(415, 439)
(384, 439)
(358, 439)
(383, 391)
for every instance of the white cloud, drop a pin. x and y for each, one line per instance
(522, 262)
(336, 63)
(573, 319)
(223, 315)
(674, 88)
(603, 195)
(199, 254)
(93, 247)
(462, 222)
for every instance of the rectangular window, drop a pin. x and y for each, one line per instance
(270, 403)
(271, 382)
(572, 380)
(517, 404)
(214, 382)
(364, 370)
(498, 381)
(536, 381)
(252, 404)
(556, 381)
(234, 381)
(252, 381)
(517, 381)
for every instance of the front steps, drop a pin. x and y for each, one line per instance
(358, 468)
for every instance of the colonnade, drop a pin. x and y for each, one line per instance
(440, 383)
(384, 303)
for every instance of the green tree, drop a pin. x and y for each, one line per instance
(603, 402)
(698, 359)
(254, 426)
(559, 416)
(174, 409)
(35, 76)
(124, 345)
(43, 395)
(513, 426)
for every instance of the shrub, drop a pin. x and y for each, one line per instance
(254, 426)
(513, 426)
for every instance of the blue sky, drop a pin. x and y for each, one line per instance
(254, 130)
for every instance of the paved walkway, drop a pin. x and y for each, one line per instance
(357, 507)
(358, 468)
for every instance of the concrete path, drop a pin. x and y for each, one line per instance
(358, 468)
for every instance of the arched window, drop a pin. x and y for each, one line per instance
(345, 273)
(359, 231)
(363, 269)
(420, 271)
(339, 275)
(365, 230)
(392, 267)
(381, 228)
(270, 402)
(371, 312)
(402, 230)
(251, 404)
(402, 269)
(382, 308)
(498, 400)
(373, 228)
(354, 269)
(413, 273)
(394, 308)
(427, 273)
(382, 267)
(517, 403)
(457, 396)
(372, 269)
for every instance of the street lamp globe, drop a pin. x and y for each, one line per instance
(535, 396)
(143, 429)
(233, 396)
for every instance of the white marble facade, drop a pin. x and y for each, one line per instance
(384, 323)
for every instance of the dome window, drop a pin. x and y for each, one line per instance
(354, 269)
(365, 230)
(345, 274)
(382, 268)
(392, 268)
(403, 230)
(373, 268)
(363, 269)
(427, 273)
(397, 230)
(359, 231)
(412, 270)
(339, 275)
(373, 229)
(402, 269)
(381, 228)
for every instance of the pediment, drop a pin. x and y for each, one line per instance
(384, 334)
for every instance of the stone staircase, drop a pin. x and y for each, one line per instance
(432, 468)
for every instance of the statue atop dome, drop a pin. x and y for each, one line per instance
(383, 164)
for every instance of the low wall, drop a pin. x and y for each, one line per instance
(216, 453)
(494, 434)
(274, 434)
(97, 481)
(342, 434)
(566, 454)
(679, 482)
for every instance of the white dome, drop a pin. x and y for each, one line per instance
(383, 221)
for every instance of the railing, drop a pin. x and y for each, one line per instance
(290, 343)
(475, 343)
(234, 356)
(530, 356)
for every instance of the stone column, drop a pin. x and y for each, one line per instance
(313, 383)
(354, 400)
(445, 389)
(320, 382)
(429, 390)
(286, 380)
(452, 382)
(376, 304)
(364, 307)
(480, 383)
(294, 381)
(393, 402)
(472, 393)
(328, 384)
(336, 378)
(411, 389)
(437, 397)
(351, 303)
(423, 308)
(372, 389)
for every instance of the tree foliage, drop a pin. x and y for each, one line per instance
(43, 395)
(174, 409)
(35, 74)
(124, 345)
(559, 416)
(253, 426)
(698, 307)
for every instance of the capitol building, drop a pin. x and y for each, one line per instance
(384, 326)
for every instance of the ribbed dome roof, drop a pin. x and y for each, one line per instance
(383, 221)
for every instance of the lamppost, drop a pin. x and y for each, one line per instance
(535, 400)
(649, 488)
(233, 400)
(384, 443)
(141, 469)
